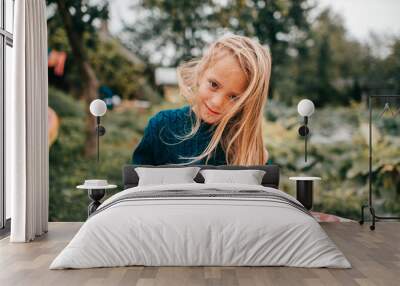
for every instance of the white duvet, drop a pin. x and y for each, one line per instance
(200, 231)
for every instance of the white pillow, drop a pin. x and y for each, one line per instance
(250, 177)
(162, 176)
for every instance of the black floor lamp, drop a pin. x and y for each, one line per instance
(370, 202)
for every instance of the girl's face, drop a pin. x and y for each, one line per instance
(221, 84)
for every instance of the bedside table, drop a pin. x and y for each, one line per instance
(304, 190)
(95, 193)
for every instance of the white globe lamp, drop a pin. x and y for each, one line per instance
(98, 108)
(305, 108)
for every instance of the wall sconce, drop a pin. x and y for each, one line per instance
(98, 108)
(305, 108)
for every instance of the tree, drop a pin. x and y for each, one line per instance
(172, 29)
(185, 27)
(281, 25)
(78, 17)
(311, 57)
(329, 69)
(393, 62)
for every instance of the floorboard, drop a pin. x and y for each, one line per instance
(374, 255)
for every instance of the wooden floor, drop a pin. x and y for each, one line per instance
(374, 255)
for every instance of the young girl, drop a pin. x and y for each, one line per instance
(226, 90)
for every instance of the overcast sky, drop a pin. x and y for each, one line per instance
(360, 16)
(363, 16)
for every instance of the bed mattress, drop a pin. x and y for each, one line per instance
(198, 224)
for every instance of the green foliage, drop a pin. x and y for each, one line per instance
(114, 65)
(77, 18)
(384, 74)
(64, 105)
(65, 158)
(338, 153)
(316, 60)
(117, 70)
(187, 26)
(280, 25)
(171, 25)
(83, 13)
(310, 60)
(68, 167)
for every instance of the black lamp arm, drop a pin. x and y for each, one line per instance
(100, 131)
(304, 131)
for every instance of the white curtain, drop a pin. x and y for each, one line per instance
(27, 154)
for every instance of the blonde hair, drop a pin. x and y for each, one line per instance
(240, 129)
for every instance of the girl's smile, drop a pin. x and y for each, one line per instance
(211, 111)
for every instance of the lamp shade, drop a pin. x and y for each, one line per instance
(98, 107)
(305, 107)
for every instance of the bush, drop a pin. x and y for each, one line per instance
(64, 104)
(338, 153)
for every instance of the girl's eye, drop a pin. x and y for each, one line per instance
(233, 97)
(213, 84)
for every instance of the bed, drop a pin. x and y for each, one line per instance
(201, 224)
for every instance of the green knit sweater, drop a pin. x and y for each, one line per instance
(159, 146)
